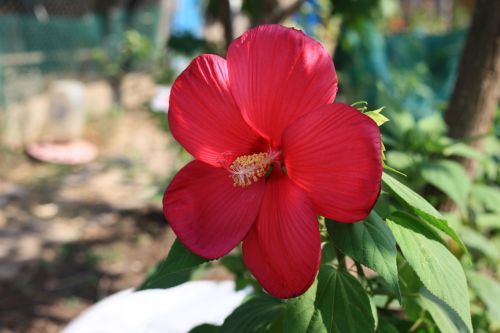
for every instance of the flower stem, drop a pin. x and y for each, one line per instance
(340, 258)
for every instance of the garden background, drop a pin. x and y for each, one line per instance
(98, 73)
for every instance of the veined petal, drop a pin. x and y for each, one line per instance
(203, 115)
(278, 74)
(283, 248)
(207, 213)
(334, 154)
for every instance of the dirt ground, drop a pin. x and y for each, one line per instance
(70, 236)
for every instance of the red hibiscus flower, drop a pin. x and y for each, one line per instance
(272, 153)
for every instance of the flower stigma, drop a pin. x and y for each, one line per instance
(247, 169)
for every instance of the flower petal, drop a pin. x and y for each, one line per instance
(334, 154)
(278, 74)
(283, 248)
(203, 115)
(207, 213)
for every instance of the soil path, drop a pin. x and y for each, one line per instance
(70, 236)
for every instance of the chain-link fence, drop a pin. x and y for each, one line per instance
(42, 37)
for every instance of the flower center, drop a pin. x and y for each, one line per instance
(247, 169)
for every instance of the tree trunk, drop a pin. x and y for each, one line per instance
(477, 89)
(226, 19)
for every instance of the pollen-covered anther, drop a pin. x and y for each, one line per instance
(247, 169)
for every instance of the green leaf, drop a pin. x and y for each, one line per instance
(489, 196)
(437, 268)
(343, 302)
(450, 177)
(446, 319)
(400, 160)
(301, 316)
(488, 221)
(488, 291)
(432, 125)
(463, 150)
(360, 105)
(377, 116)
(477, 241)
(234, 263)
(420, 207)
(206, 328)
(386, 327)
(255, 315)
(175, 269)
(371, 243)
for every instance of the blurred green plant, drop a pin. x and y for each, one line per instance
(414, 74)
(133, 49)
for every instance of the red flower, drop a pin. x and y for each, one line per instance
(272, 153)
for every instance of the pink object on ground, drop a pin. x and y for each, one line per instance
(70, 153)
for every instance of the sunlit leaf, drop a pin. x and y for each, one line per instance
(377, 116)
(437, 268)
(446, 319)
(301, 316)
(371, 243)
(420, 206)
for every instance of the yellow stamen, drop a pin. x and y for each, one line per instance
(247, 169)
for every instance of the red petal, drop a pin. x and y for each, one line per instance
(278, 74)
(283, 249)
(334, 154)
(203, 115)
(207, 213)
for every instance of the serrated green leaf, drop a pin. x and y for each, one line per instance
(343, 302)
(421, 207)
(175, 269)
(488, 291)
(255, 315)
(449, 177)
(316, 323)
(489, 196)
(377, 116)
(446, 319)
(301, 316)
(437, 268)
(371, 243)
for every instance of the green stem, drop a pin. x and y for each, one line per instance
(340, 258)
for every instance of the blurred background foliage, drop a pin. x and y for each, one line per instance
(403, 55)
